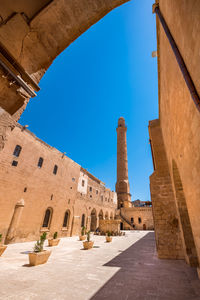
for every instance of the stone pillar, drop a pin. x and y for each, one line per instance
(122, 185)
(14, 221)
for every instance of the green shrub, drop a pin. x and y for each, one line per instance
(55, 235)
(83, 229)
(40, 244)
(108, 233)
(88, 235)
(0, 237)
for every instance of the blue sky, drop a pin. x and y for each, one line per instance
(106, 73)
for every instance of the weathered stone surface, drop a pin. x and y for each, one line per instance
(175, 187)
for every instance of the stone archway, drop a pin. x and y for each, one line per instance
(101, 215)
(93, 225)
(32, 36)
(185, 226)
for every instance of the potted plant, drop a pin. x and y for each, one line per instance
(88, 244)
(2, 247)
(54, 241)
(39, 255)
(82, 237)
(108, 237)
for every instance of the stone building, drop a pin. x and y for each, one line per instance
(41, 189)
(28, 46)
(131, 217)
(175, 138)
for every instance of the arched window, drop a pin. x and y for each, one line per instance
(66, 219)
(47, 218)
(55, 169)
(17, 150)
(40, 162)
(139, 220)
(132, 220)
(83, 220)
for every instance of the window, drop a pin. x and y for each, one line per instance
(55, 169)
(90, 196)
(83, 220)
(17, 150)
(97, 192)
(47, 218)
(25, 189)
(132, 220)
(83, 182)
(40, 162)
(66, 219)
(14, 163)
(90, 189)
(73, 179)
(139, 220)
(106, 199)
(51, 196)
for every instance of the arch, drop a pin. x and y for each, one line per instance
(185, 226)
(139, 220)
(47, 218)
(93, 224)
(52, 28)
(111, 215)
(66, 218)
(106, 216)
(101, 215)
(83, 220)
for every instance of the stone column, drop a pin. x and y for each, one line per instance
(14, 221)
(122, 185)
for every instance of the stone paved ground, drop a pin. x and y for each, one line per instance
(125, 269)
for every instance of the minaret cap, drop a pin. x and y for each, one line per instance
(121, 122)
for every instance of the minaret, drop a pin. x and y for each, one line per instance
(122, 185)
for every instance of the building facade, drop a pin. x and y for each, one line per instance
(175, 138)
(43, 190)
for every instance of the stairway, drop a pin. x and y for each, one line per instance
(126, 220)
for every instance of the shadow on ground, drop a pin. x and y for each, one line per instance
(143, 276)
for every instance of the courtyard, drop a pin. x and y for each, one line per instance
(127, 268)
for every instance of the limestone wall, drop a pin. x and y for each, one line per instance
(41, 189)
(140, 217)
(109, 225)
(180, 118)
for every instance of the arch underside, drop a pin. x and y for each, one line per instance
(34, 36)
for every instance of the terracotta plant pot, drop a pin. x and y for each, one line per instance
(38, 258)
(82, 237)
(53, 242)
(108, 239)
(2, 249)
(88, 245)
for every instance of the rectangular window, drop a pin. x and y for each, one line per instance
(97, 192)
(17, 150)
(14, 163)
(55, 169)
(83, 182)
(90, 189)
(40, 162)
